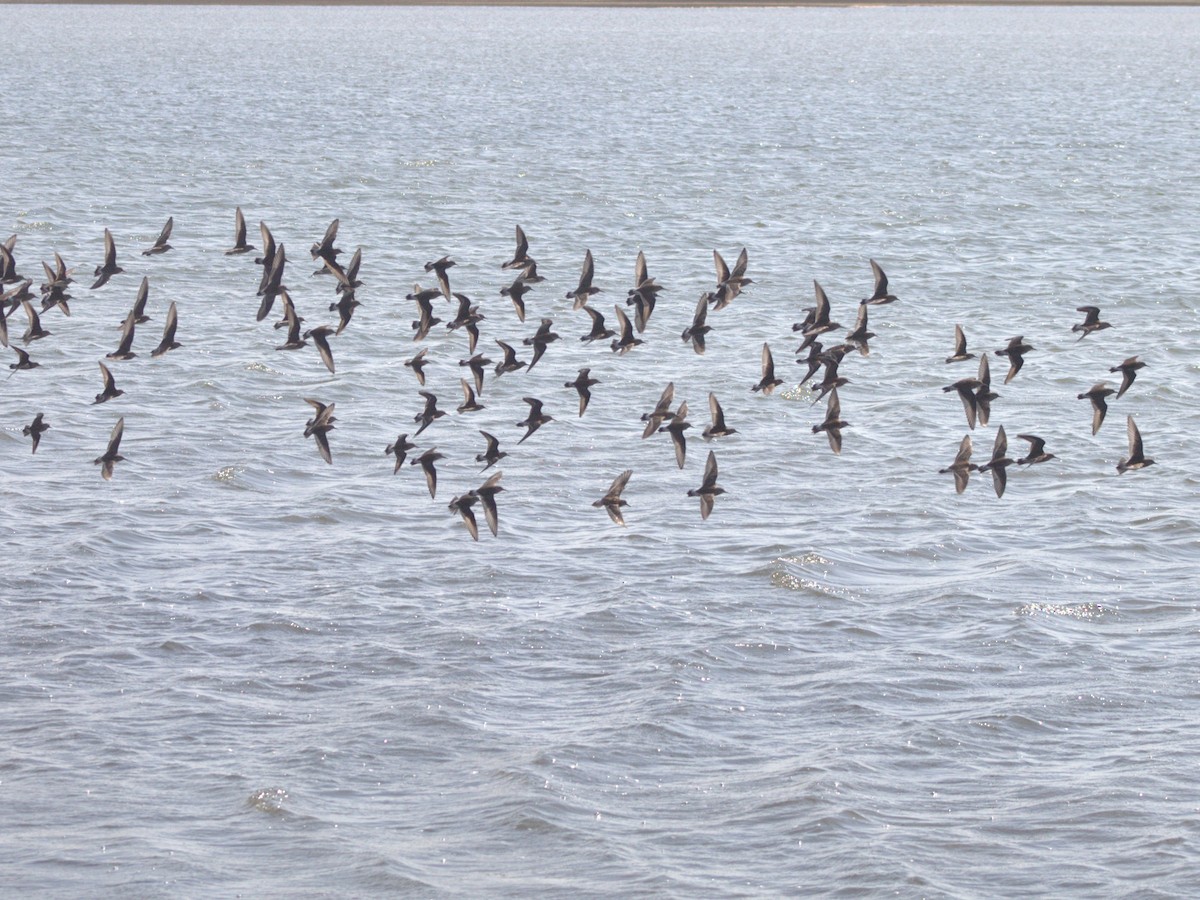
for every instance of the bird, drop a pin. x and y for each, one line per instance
(487, 499)
(661, 411)
(768, 382)
(35, 430)
(347, 278)
(493, 454)
(675, 427)
(999, 462)
(1037, 451)
(429, 414)
(425, 317)
(833, 424)
(612, 502)
(272, 283)
(536, 418)
(960, 353)
(418, 364)
(729, 281)
(1091, 321)
(1015, 351)
(598, 332)
(966, 389)
(627, 341)
(139, 303)
(510, 363)
(831, 359)
(516, 292)
(880, 295)
(426, 461)
(1137, 458)
(476, 364)
(111, 457)
(540, 341)
(583, 386)
(461, 506)
(109, 267)
(440, 266)
(161, 245)
(718, 427)
(319, 426)
(585, 289)
(124, 349)
(962, 467)
(35, 331)
(292, 321)
(860, 336)
(1097, 394)
(23, 361)
(709, 489)
(699, 328)
(267, 260)
(1128, 370)
(984, 395)
(239, 235)
(399, 450)
(521, 254)
(469, 404)
(345, 306)
(320, 338)
(814, 361)
(819, 321)
(325, 249)
(111, 391)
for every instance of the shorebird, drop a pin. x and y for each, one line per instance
(598, 332)
(1137, 458)
(1091, 321)
(1037, 451)
(487, 499)
(35, 430)
(1097, 394)
(109, 267)
(627, 341)
(718, 427)
(583, 386)
(161, 245)
(441, 267)
(536, 418)
(399, 450)
(585, 289)
(111, 391)
(699, 327)
(493, 454)
(611, 501)
(429, 414)
(960, 353)
(966, 388)
(426, 461)
(540, 341)
(418, 364)
(768, 382)
(1015, 351)
(709, 489)
(111, 457)
(675, 427)
(880, 295)
(521, 254)
(999, 462)
(462, 506)
(1128, 370)
(962, 467)
(833, 424)
(239, 235)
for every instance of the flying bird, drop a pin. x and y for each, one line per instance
(111, 390)
(585, 289)
(960, 353)
(109, 267)
(718, 427)
(462, 506)
(627, 341)
(1097, 394)
(429, 414)
(999, 462)
(1091, 321)
(493, 454)
(426, 461)
(536, 418)
(1015, 351)
(675, 427)
(583, 386)
(1137, 458)
(768, 382)
(709, 489)
(487, 499)
(1128, 370)
(161, 245)
(833, 424)
(880, 295)
(399, 450)
(418, 364)
(521, 254)
(35, 430)
(1037, 451)
(239, 235)
(110, 456)
(611, 501)
(962, 467)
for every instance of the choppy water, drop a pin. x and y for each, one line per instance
(237, 669)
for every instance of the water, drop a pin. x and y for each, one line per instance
(235, 669)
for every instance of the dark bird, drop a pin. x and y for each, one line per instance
(399, 450)
(718, 427)
(768, 382)
(540, 341)
(345, 306)
(110, 391)
(319, 426)
(598, 332)
(999, 462)
(111, 457)
(966, 389)
(661, 411)
(611, 501)
(426, 461)
(425, 317)
(643, 299)
(139, 303)
(267, 260)
(462, 506)
(1091, 321)
(960, 347)
(676, 427)
(1137, 457)
(23, 360)
(521, 254)
(516, 292)
(3, 327)
(984, 395)
(35, 330)
(347, 278)
(1037, 451)
(1097, 394)
(699, 327)
(510, 363)
(814, 361)
(627, 340)
(320, 338)
(8, 263)
(441, 266)
(109, 268)
(476, 364)
(492, 455)
(418, 364)
(239, 235)
(833, 424)
(325, 249)
(962, 467)
(583, 385)
(529, 274)
(124, 349)
(832, 360)
(709, 489)
(536, 418)
(1128, 370)
(35, 430)
(292, 321)
(469, 404)
(272, 285)
(161, 245)
(487, 499)
(427, 416)
(1015, 351)
(880, 295)
(585, 289)
(729, 281)
(860, 336)
(819, 322)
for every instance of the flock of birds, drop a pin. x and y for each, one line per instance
(816, 352)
